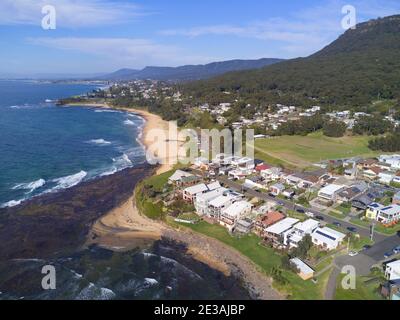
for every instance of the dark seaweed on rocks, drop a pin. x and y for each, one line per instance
(56, 224)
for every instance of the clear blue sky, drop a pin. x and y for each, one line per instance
(95, 36)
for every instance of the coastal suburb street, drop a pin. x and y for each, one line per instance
(362, 262)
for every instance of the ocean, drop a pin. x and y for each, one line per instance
(46, 148)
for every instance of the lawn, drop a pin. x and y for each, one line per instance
(366, 289)
(303, 151)
(266, 259)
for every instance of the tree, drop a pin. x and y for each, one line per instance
(334, 129)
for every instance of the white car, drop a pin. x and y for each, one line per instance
(353, 253)
(310, 214)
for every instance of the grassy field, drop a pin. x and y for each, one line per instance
(365, 290)
(302, 151)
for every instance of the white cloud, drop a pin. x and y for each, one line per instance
(300, 33)
(124, 52)
(70, 13)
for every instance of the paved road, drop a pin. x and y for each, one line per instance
(362, 262)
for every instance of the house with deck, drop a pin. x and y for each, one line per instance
(276, 234)
(236, 211)
(327, 238)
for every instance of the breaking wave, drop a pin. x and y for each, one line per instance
(99, 142)
(31, 186)
(69, 181)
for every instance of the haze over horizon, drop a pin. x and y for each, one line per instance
(101, 36)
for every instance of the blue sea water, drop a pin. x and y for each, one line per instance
(45, 148)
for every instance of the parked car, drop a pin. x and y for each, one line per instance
(353, 253)
(337, 224)
(396, 250)
(299, 210)
(387, 255)
(366, 247)
(281, 203)
(352, 229)
(310, 214)
(321, 218)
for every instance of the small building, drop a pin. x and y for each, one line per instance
(387, 215)
(265, 221)
(275, 234)
(304, 271)
(372, 173)
(392, 270)
(189, 194)
(177, 176)
(236, 211)
(244, 226)
(330, 192)
(277, 189)
(386, 177)
(391, 290)
(299, 231)
(327, 238)
(203, 200)
(217, 205)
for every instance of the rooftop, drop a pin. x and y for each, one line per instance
(282, 226)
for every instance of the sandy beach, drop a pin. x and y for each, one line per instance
(124, 228)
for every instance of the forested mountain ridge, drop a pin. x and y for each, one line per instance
(361, 66)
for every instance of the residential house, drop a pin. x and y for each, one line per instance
(387, 215)
(392, 160)
(176, 178)
(217, 205)
(372, 173)
(330, 193)
(392, 270)
(367, 164)
(244, 226)
(299, 231)
(189, 194)
(289, 194)
(203, 200)
(351, 193)
(275, 234)
(391, 290)
(327, 238)
(386, 177)
(277, 189)
(266, 220)
(304, 271)
(272, 174)
(201, 163)
(233, 213)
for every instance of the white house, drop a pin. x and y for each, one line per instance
(235, 212)
(203, 200)
(386, 177)
(392, 160)
(327, 238)
(392, 271)
(177, 176)
(189, 194)
(304, 271)
(271, 174)
(330, 192)
(389, 214)
(277, 233)
(217, 205)
(299, 231)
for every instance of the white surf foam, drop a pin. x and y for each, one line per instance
(106, 111)
(99, 142)
(69, 181)
(12, 203)
(31, 186)
(129, 122)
